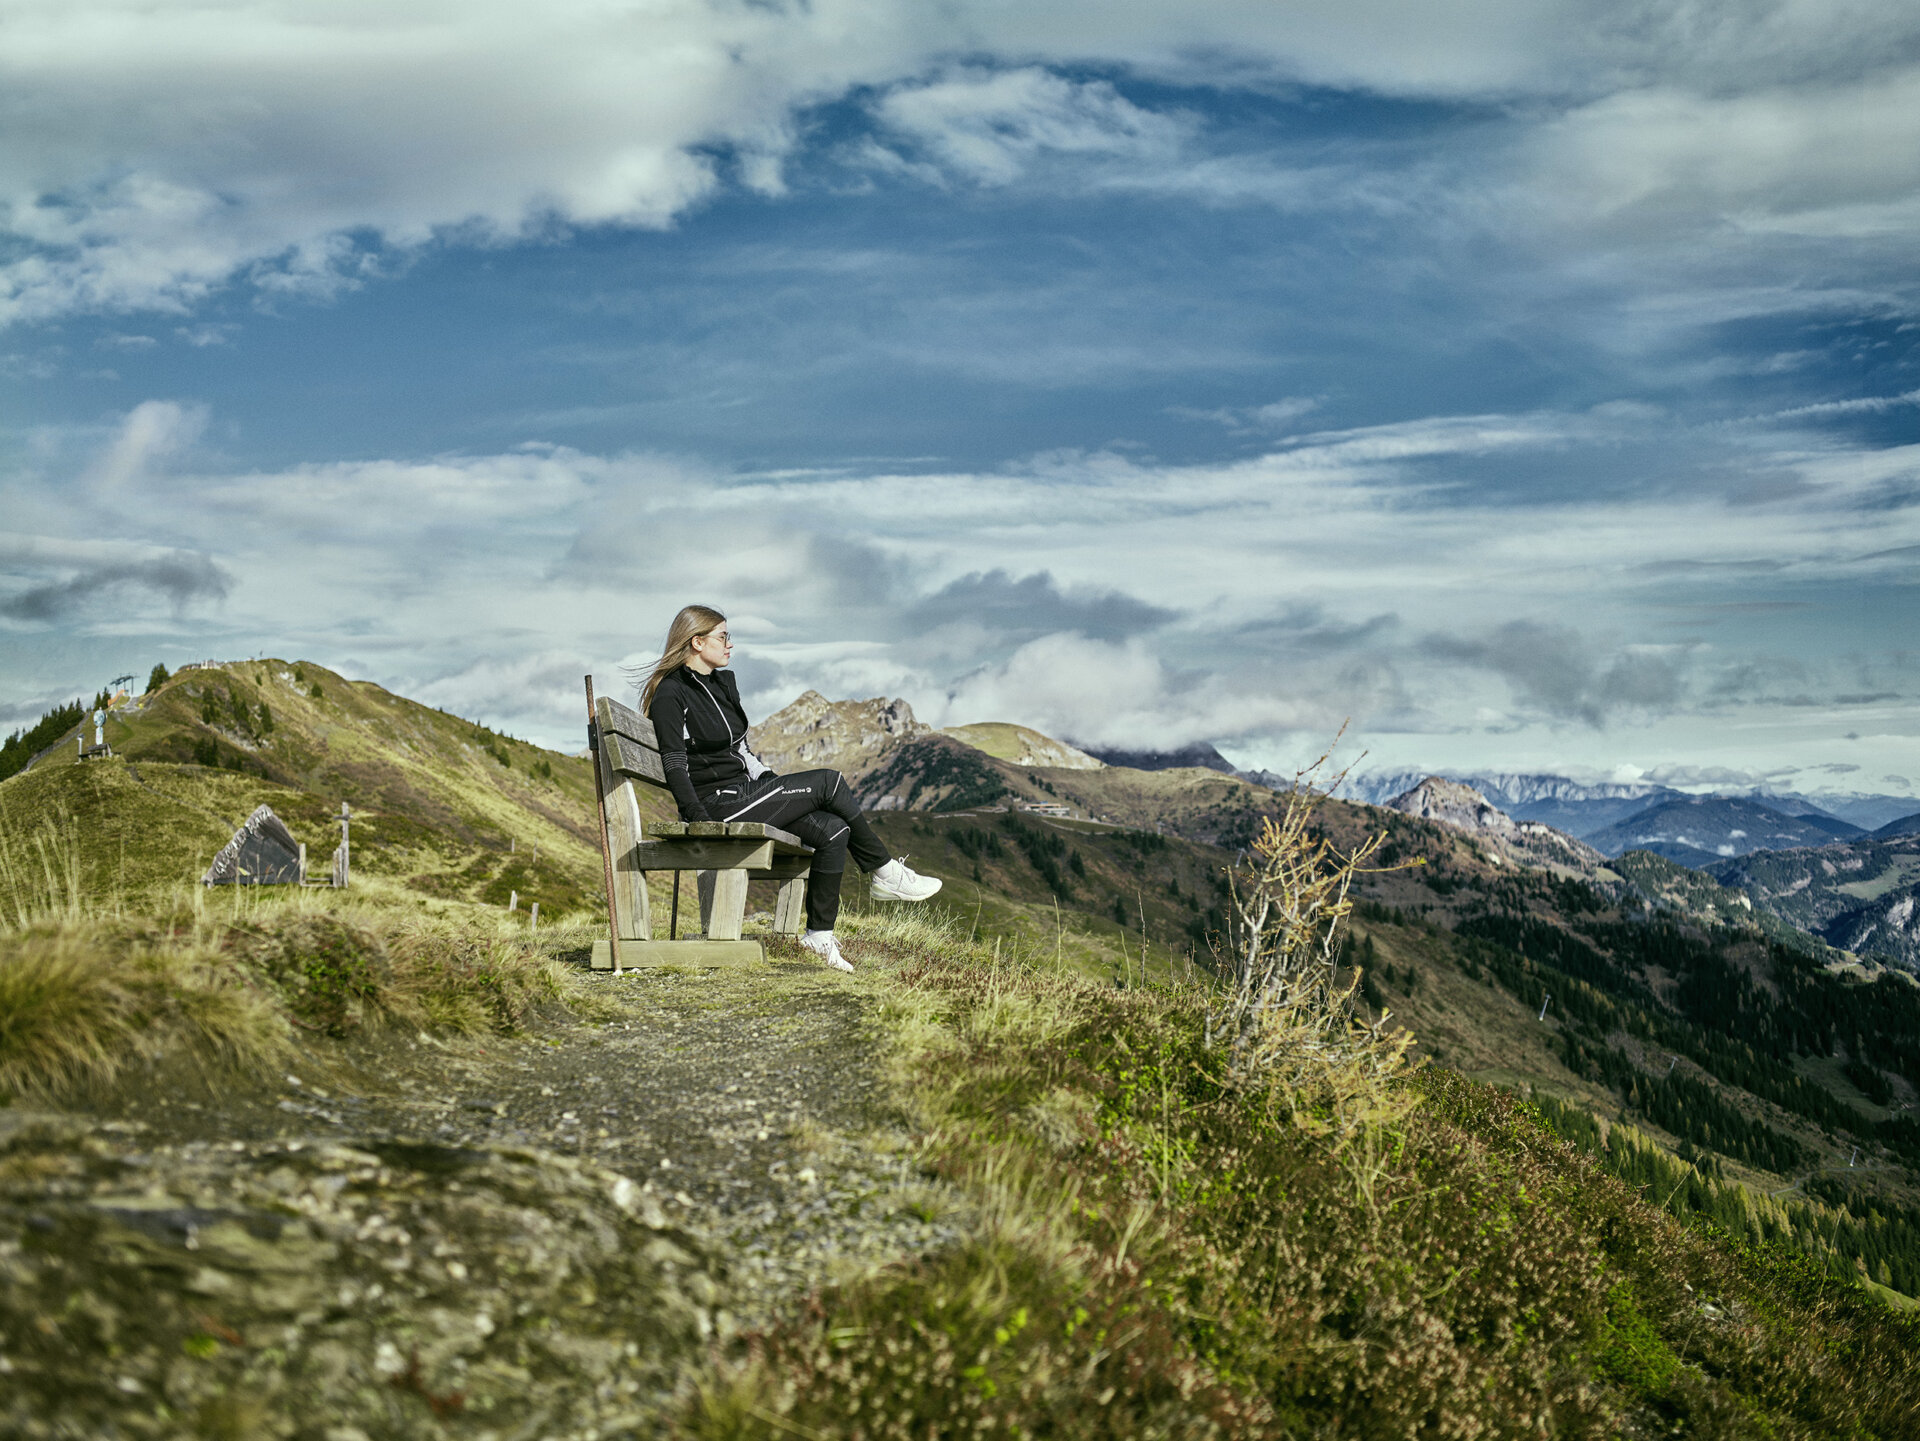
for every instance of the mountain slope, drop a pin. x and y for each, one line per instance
(1199, 754)
(1888, 926)
(1017, 745)
(894, 762)
(440, 805)
(1857, 895)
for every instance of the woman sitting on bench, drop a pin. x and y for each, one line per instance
(702, 730)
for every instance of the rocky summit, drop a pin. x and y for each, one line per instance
(1452, 804)
(1462, 808)
(848, 735)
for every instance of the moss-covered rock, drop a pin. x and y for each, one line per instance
(326, 1290)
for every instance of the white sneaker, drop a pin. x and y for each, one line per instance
(894, 882)
(823, 945)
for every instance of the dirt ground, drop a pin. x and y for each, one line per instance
(412, 1236)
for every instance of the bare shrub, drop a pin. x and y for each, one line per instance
(1285, 1010)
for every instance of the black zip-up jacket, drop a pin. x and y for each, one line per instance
(702, 730)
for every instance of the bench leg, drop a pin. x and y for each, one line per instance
(790, 907)
(723, 904)
(632, 914)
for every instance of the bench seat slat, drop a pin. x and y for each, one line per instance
(701, 853)
(751, 830)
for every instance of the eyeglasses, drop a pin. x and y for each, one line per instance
(721, 636)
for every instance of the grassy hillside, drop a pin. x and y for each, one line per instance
(1021, 746)
(440, 805)
(1755, 1058)
(1157, 1245)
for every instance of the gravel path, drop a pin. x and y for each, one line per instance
(498, 1224)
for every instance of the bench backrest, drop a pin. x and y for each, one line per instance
(628, 746)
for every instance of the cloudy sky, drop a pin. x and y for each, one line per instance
(1533, 381)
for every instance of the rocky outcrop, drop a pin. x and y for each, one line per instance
(1462, 808)
(850, 736)
(391, 1287)
(1452, 804)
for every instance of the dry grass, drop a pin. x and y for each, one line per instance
(40, 872)
(81, 1002)
(232, 980)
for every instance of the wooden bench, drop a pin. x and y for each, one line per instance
(724, 856)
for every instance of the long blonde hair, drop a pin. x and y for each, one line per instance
(693, 622)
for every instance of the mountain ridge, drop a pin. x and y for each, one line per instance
(1699, 830)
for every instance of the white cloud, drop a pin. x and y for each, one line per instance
(1825, 159)
(1863, 405)
(991, 126)
(1247, 601)
(152, 153)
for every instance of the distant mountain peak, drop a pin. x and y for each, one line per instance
(1460, 807)
(814, 731)
(1453, 803)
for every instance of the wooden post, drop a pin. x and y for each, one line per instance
(533, 921)
(723, 903)
(606, 841)
(790, 907)
(513, 900)
(343, 858)
(303, 863)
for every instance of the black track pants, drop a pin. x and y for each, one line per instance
(818, 807)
